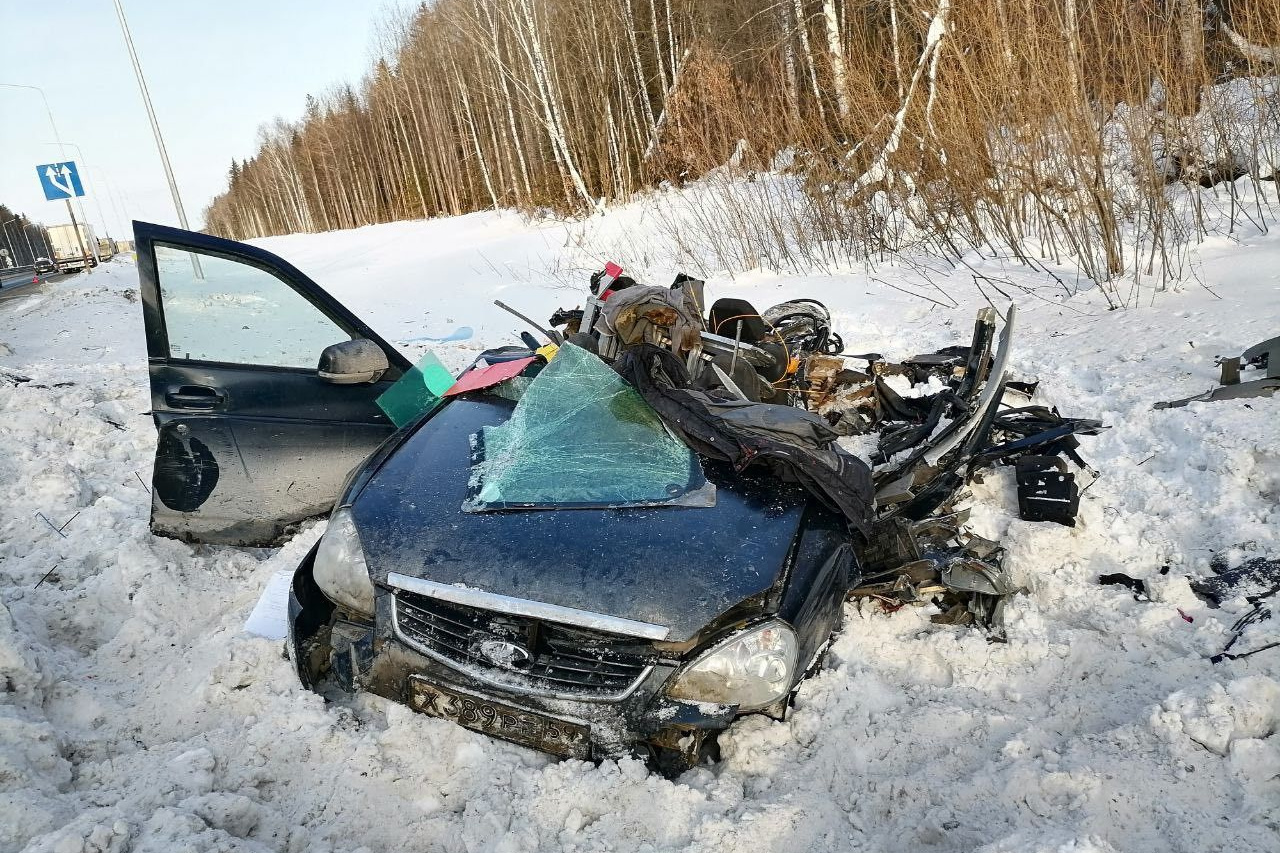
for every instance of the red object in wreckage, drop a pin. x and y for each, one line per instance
(611, 273)
(487, 377)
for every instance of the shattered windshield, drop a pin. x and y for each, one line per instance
(580, 437)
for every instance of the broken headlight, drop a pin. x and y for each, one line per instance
(751, 669)
(340, 569)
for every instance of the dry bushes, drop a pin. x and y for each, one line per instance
(1049, 129)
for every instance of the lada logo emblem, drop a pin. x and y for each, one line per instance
(503, 653)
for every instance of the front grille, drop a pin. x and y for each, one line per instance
(561, 661)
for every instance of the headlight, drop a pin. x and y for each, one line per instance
(340, 570)
(751, 669)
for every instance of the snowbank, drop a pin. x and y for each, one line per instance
(137, 715)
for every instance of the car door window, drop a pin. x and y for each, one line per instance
(223, 310)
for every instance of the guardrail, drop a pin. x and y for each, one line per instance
(17, 275)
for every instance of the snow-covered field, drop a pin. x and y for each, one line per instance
(136, 714)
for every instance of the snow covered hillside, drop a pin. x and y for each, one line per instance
(137, 715)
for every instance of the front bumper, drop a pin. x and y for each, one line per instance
(368, 656)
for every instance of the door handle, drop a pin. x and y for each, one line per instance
(194, 397)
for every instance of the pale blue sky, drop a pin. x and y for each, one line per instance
(216, 70)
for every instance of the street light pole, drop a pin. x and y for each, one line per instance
(26, 236)
(115, 205)
(48, 111)
(151, 114)
(13, 253)
(63, 151)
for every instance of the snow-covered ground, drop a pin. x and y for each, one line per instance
(136, 714)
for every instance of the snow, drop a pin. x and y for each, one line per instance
(138, 714)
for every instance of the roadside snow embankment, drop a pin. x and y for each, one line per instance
(137, 715)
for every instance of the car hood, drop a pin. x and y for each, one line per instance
(678, 567)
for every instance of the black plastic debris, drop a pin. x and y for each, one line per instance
(1047, 491)
(1138, 585)
(1260, 612)
(1259, 576)
(13, 378)
(891, 545)
(1036, 430)
(1257, 580)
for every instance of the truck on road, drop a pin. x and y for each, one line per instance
(72, 252)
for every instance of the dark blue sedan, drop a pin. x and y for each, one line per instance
(572, 578)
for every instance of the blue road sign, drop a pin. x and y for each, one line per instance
(60, 180)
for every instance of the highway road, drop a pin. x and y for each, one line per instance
(11, 287)
(9, 277)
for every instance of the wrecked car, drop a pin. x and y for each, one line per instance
(615, 543)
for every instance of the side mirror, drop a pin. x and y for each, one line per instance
(352, 362)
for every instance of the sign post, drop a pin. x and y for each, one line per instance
(62, 181)
(75, 226)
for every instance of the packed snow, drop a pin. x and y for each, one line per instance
(139, 715)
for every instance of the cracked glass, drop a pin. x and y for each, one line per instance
(581, 437)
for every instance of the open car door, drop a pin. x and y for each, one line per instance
(263, 388)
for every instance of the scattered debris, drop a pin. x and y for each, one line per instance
(1046, 491)
(936, 561)
(1260, 613)
(1261, 358)
(55, 528)
(1138, 586)
(776, 387)
(1258, 577)
(1257, 580)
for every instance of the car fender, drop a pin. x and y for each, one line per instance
(309, 616)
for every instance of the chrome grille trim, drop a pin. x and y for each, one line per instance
(533, 609)
(556, 679)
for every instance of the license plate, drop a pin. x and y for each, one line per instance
(548, 734)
